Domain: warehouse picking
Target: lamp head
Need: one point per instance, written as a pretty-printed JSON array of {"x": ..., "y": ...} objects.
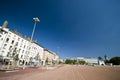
[{"x": 36, "y": 19}]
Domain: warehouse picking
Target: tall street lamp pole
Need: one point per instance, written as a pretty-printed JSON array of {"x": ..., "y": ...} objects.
[{"x": 35, "y": 20}]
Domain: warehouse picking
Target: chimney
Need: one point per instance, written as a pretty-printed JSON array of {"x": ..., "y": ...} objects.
[{"x": 5, "y": 24}]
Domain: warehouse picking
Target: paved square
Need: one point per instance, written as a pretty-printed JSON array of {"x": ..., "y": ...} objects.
[{"x": 70, "y": 72}]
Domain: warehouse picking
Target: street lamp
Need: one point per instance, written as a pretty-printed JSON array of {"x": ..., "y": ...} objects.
[{"x": 35, "y": 20}]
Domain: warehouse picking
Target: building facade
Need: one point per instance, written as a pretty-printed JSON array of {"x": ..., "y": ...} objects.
[
  {"x": 50, "y": 57},
  {"x": 28, "y": 51},
  {"x": 11, "y": 41},
  {"x": 89, "y": 60}
]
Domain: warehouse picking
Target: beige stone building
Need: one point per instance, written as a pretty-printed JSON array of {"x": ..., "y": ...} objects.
[{"x": 50, "y": 57}]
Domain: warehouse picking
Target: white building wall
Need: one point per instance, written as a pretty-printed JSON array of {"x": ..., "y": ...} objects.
[
  {"x": 40, "y": 51},
  {"x": 3, "y": 44},
  {"x": 101, "y": 62},
  {"x": 24, "y": 47},
  {"x": 91, "y": 60}
]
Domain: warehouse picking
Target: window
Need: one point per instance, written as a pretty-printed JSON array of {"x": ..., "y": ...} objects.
[
  {"x": 10, "y": 47},
  {"x": 1, "y": 39},
  {"x": 12, "y": 41},
  {"x": 22, "y": 40},
  {"x": 21, "y": 56},
  {"x": 3, "y": 51},
  {"x": 4, "y": 46},
  {"x": 14, "y": 35},
  {"x": 7, "y": 39},
  {"x": 9, "y": 35},
  {"x": 8, "y": 54},
  {"x": 23, "y": 51},
  {"x": 24, "y": 46},
  {"x": 21, "y": 45},
  {"x": 29, "y": 48},
  {"x": 16, "y": 43},
  {"x": 15, "y": 49},
  {"x": 19, "y": 50},
  {"x": 18, "y": 39}
]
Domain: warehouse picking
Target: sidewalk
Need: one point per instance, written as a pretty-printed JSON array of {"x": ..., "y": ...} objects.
[
  {"x": 28, "y": 70},
  {"x": 21, "y": 71}
]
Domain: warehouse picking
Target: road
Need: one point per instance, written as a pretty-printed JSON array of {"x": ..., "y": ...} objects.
[{"x": 71, "y": 72}]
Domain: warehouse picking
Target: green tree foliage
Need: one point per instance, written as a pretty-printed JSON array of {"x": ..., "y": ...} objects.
[
  {"x": 37, "y": 57},
  {"x": 81, "y": 62},
  {"x": 70, "y": 61},
  {"x": 60, "y": 62},
  {"x": 74, "y": 61},
  {"x": 16, "y": 58},
  {"x": 115, "y": 60},
  {"x": 46, "y": 60},
  {"x": 100, "y": 58},
  {"x": 15, "y": 55},
  {"x": 106, "y": 61}
]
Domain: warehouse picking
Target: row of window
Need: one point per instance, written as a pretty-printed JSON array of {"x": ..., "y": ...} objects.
[
  {"x": 16, "y": 44},
  {"x": 7, "y": 40},
  {"x": 5, "y": 45},
  {"x": 11, "y": 47},
  {"x": 8, "y": 54},
  {"x": 1, "y": 37},
  {"x": 24, "y": 46},
  {"x": 18, "y": 39}
]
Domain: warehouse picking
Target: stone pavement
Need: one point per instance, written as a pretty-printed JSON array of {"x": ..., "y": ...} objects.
[
  {"x": 21, "y": 71},
  {"x": 70, "y": 72}
]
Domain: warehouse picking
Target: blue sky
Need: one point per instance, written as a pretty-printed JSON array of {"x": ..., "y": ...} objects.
[{"x": 88, "y": 28}]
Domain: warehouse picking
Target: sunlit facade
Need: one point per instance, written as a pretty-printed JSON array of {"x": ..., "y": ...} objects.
[
  {"x": 50, "y": 57},
  {"x": 12, "y": 40},
  {"x": 27, "y": 49}
]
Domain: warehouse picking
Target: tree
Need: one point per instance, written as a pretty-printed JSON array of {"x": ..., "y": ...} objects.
[
  {"x": 15, "y": 57},
  {"x": 37, "y": 57},
  {"x": 105, "y": 57},
  {"x": 100, "y": 58},
  {"x": 81, "y": 62},
  {"x": 68, "y": 61},
  {"x": 74, "y": 61},
  {"x": 60, "y": 62},
  {"x": 115, "y": 60},
  {"x": 106, "y": 61},
  {"x": 46, "y": 61}
]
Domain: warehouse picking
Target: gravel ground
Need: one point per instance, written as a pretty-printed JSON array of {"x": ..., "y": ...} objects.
[{"x": 70, "y": 72}]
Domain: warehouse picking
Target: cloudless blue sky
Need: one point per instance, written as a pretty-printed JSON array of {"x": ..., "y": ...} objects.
[{"x": 88, "y": 28}]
